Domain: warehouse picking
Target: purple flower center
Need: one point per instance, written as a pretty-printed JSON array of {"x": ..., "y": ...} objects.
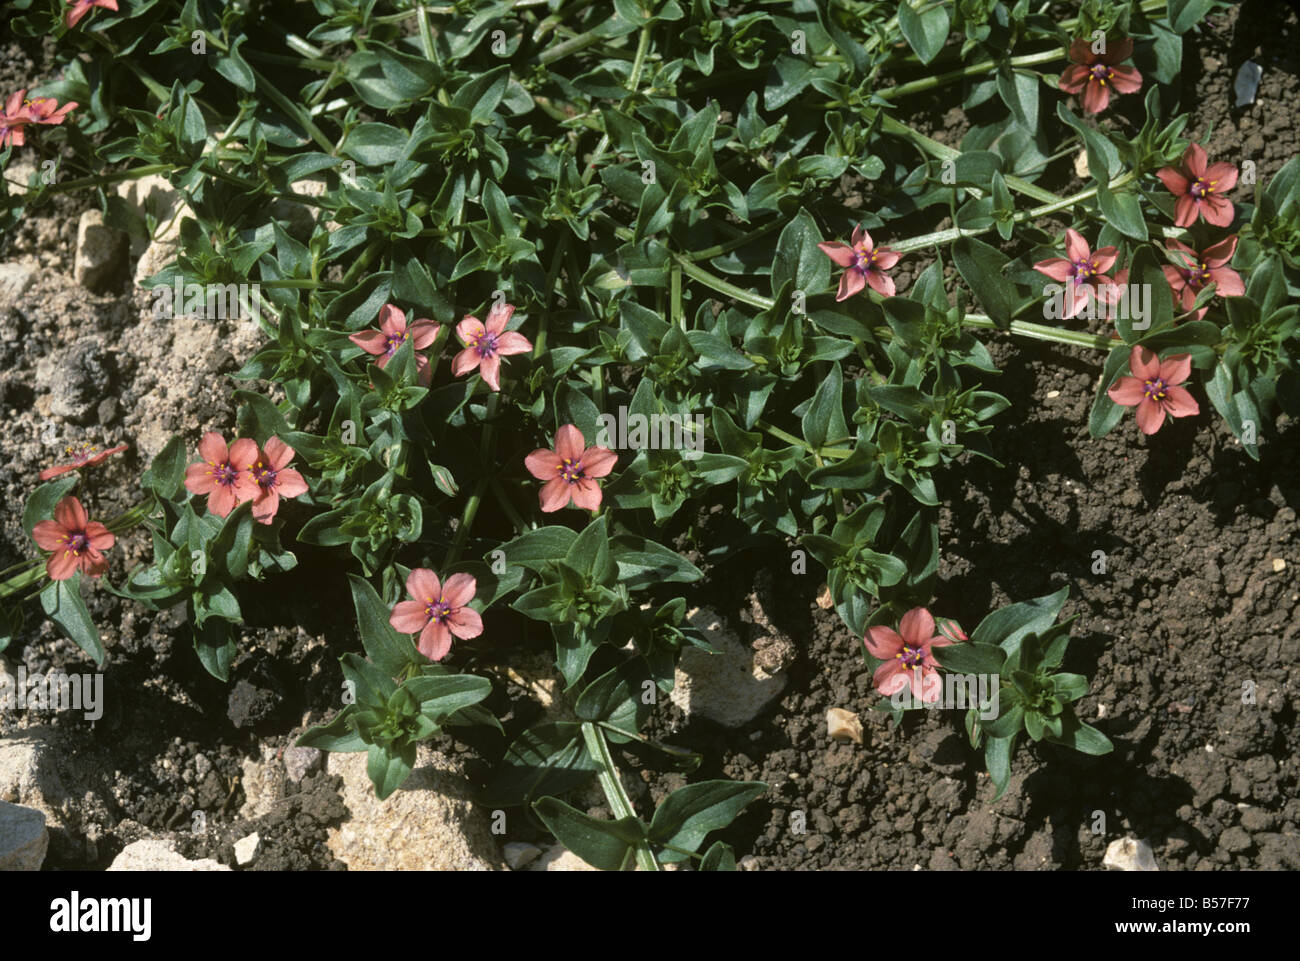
[
  {"x": 912, "y": 656},
  {"x": 437, "y": 611},
  {"x": 1155, "y": 389},
  {"x": 78, "y": 542},
  {"x": 485, "y": 344},
  {"x": 1197, "y": 276},
  {"x": 864, "y": 258},
  {"x": 1199, "y": 188},
  {"x": 570, "y": 470},
  {"x": 264, "y": 476},
  {"x": 225, "y": 474},
  {"x": 1083, "y": 271},
  {"x": 392, "y": 342},
  {"x": 1101, "y": 73}
]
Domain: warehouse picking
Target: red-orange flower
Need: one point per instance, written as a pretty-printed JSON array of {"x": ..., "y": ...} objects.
[
  {"x": 1097, "y": 74},
  {"x": 13, "y": 119},
  {"x": 1198, "y": 270},
  {"x": 82, "y": 7},
  {"x": 77, "y": 542},
  {"x": 437, "y": 612},
  {"x": 223, "y": 473},
  {"x": 1199, "y": 187},
  {"x": 274, "y": 479},
  {"x": 907, "y": 654},
  {"x": 1154, "y": 389},
  {"x": 570, "y": 470},
  {"x": 83, "y": 456},
  {"x": 393, "y": 332}
]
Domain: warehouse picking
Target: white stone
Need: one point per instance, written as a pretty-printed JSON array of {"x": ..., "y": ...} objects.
[
  {"x": 559, "y": 858},
  {"x": 843, "y": 725},
  {"x": 155, "y": 855},
  {"x": 246, "y": 849},
  {"x": 519, "y": 854},
  {"x": 15, "y": 277},
  {"x": 23, "y": 838},
  {"x": 726, "y": 688},
  {"x": 430, "y": 823},
  {"x": 101, "y": 252},
  {"x": 1129, "y": 854}
]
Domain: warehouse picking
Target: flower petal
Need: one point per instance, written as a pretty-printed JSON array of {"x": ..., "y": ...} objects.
[
  {"x": 881, "y": 283},
  {"x": 1096, "y": 98},
  {"x": 586, "y": 494},
  {"x": 1194, "y": 161},
  {"x": 554, "y": 494},
  {"x": 212, "y": 448},
  {"x": 1176, "y": 369},
  {"x": 465, "y": 361},
  {"x": 1179, "y": 402},
  {"x": 598, "y": 461},
  {"x": 543, "y": 463},
  {"x": 1126, "y": 80},
  {"x": 851, "y": 282},
  {"x": 1076, "y": 248},
  {"x": 435, "y": 641},
  {"x": 841, "y": 254},
  {"x": 465, "y": 623},
  {"x": 1222, "y": 176},
  {"x": 1056, "y": 268},
  {"x": 48, "y": 535},
  {"x": 1150, "y": 416},
  {"x": 470, "y": 329},
  {"x": 71, "y": 515},
  {"x": 423, "y": 585},
  {"x": 917, "y": 626},
  {"x": 569, "y": 443},
  {"x": 1220, "y": 253},
  {"x": 243, "y": 453},
  {"x": 1185, "y": 211},
  {"x": 408, "y": 617},
  {"x": 371, "y": 341},
  {"x": 1228, "y": 282},
  {"x": 1127, "y": 392},
  {"x": 882, "y": 642},
  {"x": 1174, "y": 181},
  {"x": 499, "y": 316},
  {"x": 289, "y": 483},
  {"x": 459, "y": 589},
  {"x": 511, "y": 343}
]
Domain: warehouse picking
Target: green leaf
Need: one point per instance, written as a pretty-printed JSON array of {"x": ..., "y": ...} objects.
[
  {"x": 1019, "y": 91},
  {"x": 1084, "y": 738},
  {"x": 440, "y": 696},
  {"x": 643, "y": 563},
  {"x": 390, "y": 651},
  {"x": 981, "y": 267},
  {"x": 1105, "y": 413},
  {"x": 997, "y": 757},
  {"x": 62, "y": 602},
  {"x": 43, "y": 500},
  {"x": 688, "y": 814},
  {"x": 606, "y": 845},
  {"x": 971, "y": 658},
  {"x": 550, "y": 758},
  {"x": 215, "y": 645},
  {"x": 616, "y": 697},
  {"x": 336, "y": 735},
  {"x": 925, "y": 32},
  {"x": 1008, "y": 625},
  {"x": 798, "y": 259},
  {"x": 1123, "y": 211},
  {"x": 167, "y": 470},
  {"x": 388, "y": 771},
  {"x": 719, "y": 857},
  {"x": 825, "y": 415}
]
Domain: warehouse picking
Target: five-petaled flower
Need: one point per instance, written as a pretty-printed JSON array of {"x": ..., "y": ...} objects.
[
  {"x": 1082, "y": 271},
  {"x": 82, "y": 7},
  {"x": 84, "y": 456},
  {"x": 393, "y": 332},
  {"x": 274, "y": 479},
  {"x": 1197, "y": 271},
  {"x": 12, "y": 121},
  {"x": 486, "y": 345},
  {"x": 224, "y": 473},
  {"x": 907, "y": 655},
  {"x": 437, "y": 612},
  {"x": 1097, "y": 74},
  {"x": 569, "y": 470},
  {"x": 1155, "y": 388},
  {"x": 863, "y": 263},
  {"x": 1199, "y": 187},
  {"x": 47, "y": 110},
  {"x": 76, "y": 541}
]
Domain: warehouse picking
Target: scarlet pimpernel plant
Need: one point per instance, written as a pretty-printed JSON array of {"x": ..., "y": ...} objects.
[{"x": 642, "y": 202}]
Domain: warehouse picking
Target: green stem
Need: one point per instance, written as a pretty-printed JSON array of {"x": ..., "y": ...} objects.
[
  {"x": 974, "y": 70},
  {"x": 620, "y": 804},
  {"x": 642, "y": 46}
]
